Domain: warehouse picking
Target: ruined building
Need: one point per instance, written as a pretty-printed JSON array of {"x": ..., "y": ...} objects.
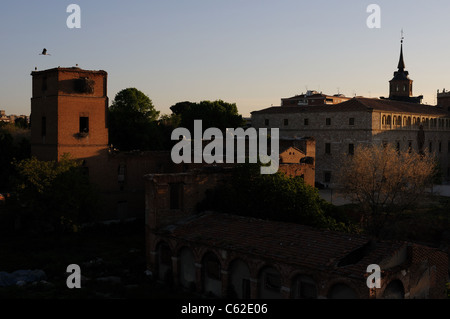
[{"x": 229, "y": 256}]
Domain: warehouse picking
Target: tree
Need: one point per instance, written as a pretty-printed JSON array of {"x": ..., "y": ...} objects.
[
  {"x": 14, "y": 144},
  {"x": 383, "y": 180},
  {"x": 132, "y": 121},
  {"x": 218, "y": 114},
  {"x": 54, "y": 194},
  {"x": 275, "y": 197}
]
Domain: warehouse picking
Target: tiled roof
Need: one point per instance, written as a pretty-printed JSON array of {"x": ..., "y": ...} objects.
[
  {"x": 360, "y": 104},
  {"x": 282, "y": 242}
]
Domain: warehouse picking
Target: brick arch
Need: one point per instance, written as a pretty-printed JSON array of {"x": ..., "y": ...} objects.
[
  {"x": 263, "y": 289},
  {"x": 386, "y": 283},
  {"x": 238, "y": 284},
  {"x": 160, "y": 241},
  {"x": 195, "y": 250},
  {"x": 341, "y": 281},
  {"x": 313, "y": 293},
  {"x": 263, "y": 265},
  {"x": 298, "y": 272},
  {"x": 211, "y": 273},
  {"x": 163, "y": 264},
  {"x": 208, "y": 250}
]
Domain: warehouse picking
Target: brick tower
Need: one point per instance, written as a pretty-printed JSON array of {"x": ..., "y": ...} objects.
[{"x": 68, "y": 113}]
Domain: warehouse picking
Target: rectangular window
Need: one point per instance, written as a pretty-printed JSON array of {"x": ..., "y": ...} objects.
[
  {"x": 121, "y": 172},
  {"x": 351, "y": 121},
  {"x": 327, "y": 148},
  {"x": 306, "y": 122},
  {"x": 44, "y": 126},
  {"x": 351, "y": 149},
  {"x": 409, "y": 146},
  {"x": 327, "y": 177},
  {"x": 176, "y": 193},
  {"x": 44, "y": 83},
  {"x": 448, "y": 147},
  {"x": 84, "y": 124},
  {"x": 398, "y": 146},
  {"x": 431, "y": 147},
  {"x": 440, "y": 147},
  {"x": 286, "y": 122},
  {"x": 266, "y": 122},
  {"x": 328, "y": 121}
]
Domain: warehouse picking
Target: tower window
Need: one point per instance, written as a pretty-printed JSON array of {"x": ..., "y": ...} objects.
[
  {"x": 328, "y": 121},
  {"x": 351, "y": 121},
  {"x": 44, "y": 83},
  {"x": 327, "y": 177},
  {"x": 351, "y": 149},
  {"x": 286, "y": 122},
  {"x": 306, "y": 122},
  {"x": 84, "y": 124},
  {"x": 44, "y": 126},
  {"x": 327, "y": 148},
  {"x": 266, "y": 122}
]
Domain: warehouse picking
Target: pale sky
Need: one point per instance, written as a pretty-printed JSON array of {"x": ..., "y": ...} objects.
[{"x": 248, "y": 52}]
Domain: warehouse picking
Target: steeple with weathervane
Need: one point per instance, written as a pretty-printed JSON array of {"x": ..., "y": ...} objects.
[{"x": 400, "y": 87}]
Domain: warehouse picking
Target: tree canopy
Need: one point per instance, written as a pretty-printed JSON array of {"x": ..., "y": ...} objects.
[
  {"x": 217, "y": 113},
  {"x": 53, "y": 195},
  {"x": 274, "y": 197},
  {"x": 14, "y": 144},
  {"x": 132, "y": 121},
  {"x": 383, "y": 180}
]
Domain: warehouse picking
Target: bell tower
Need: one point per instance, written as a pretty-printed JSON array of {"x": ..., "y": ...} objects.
[
  {"x": 68, "y": 113},
  {"x": 401, "y": 86}
]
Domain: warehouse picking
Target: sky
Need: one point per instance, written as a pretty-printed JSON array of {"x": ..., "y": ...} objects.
[{"x": 248, "y": 52}]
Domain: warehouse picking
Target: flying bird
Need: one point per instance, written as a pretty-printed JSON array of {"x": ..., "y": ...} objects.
[{"x": 44, "y": 52}]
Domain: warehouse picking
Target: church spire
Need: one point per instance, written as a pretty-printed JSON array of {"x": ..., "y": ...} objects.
[{"x": 401, "y": 63}]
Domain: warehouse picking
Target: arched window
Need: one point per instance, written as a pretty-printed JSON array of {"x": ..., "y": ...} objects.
[
  {"x": 212, "y": 275},
  {"x": 187, "y": 269},
  {"x": 239, "y": 285},
  {"x": 164, "y": 258},
  {"x": 394, "y": 290},
  {"x": 304, "y": 287},
  {"x": 342, "y": 291},
  {"x": 269, "y": 280},
  {"x": 388, "y": 121},
  {"x": 383, "y": 121}
]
